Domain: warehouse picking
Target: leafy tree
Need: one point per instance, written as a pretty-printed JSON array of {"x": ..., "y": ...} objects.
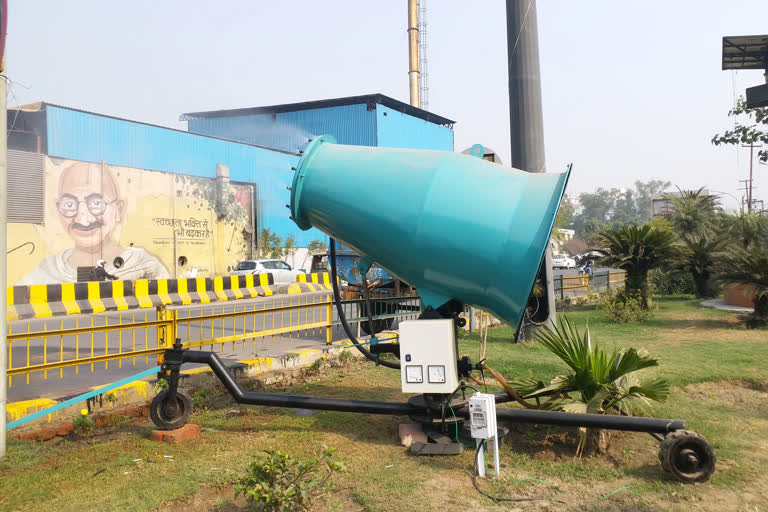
[
  {"x": 273, "y": 246},
  {"x": 565, "y": 213},
  {"x": 637, "y": 250},
  {"x": 644, "y": 194},
  {"x": 755, "y": 131},
  {"x": 612, "y": 207},
  {"x": 269, "y": 244}
]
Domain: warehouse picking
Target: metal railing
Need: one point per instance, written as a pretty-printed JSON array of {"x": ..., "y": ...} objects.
[
  {"x": 579, "y": 285},
  {"x": 52, "y": 345}
]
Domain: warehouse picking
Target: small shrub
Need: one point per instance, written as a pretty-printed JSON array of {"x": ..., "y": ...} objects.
[
  {"x": 110, "y": 397},
  {"x": 278, "y": 482},
  {"x": 625, "y": 308},
  {"x": 346, "y": 356},
  {"x": 316, "y": 366},
  {"x": 83, "y": 424},
  {"x": 160, "y": 385},
  {"x": 671, "y": 282}
]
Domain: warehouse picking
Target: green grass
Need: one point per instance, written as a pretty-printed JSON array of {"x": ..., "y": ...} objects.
[{"x": 696, "y": 346}]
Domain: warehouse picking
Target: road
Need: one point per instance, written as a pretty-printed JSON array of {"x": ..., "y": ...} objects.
[{"x": 73, "y": 380}]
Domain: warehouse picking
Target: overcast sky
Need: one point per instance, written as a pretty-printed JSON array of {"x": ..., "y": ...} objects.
[{"x": 631, "y": 90}]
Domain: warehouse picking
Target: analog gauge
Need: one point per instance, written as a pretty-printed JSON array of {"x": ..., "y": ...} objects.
[
  {"x": 414, "y": 374},
  {"x": 436, "y": 374}
]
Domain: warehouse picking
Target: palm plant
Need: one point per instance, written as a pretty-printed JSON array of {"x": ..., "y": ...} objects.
[
  {"x": 699, "y": 252},
  {"x": 747, "y": 228},
  {"x": 750, "y": 267},
  {"x": 600, "y": 380},
  {"x": 636, "y": 249},
  {"x": 692, "y": 210}
]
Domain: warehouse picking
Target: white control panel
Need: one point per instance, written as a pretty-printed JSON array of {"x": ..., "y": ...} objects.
[
  {"x": 428, "y": 356},
  {"x": 482, "y": 416}
]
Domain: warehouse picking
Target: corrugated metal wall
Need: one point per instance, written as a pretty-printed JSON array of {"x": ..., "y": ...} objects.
[
  {"x": 93, "y": 138},
  {"x": 397, "y": 130},
  {"x": 26, "y": 187},
  {"x": 350, "y": 124}
]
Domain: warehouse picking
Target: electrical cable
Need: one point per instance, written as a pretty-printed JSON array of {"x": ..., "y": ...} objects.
[
  {"x": 502, "y": 498},
  {"x": 538, "y": 498},
  {"x": 343, "y": 317}
]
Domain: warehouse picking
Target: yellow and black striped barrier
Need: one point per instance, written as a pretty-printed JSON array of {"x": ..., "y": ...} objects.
[
  {"x": 46, "y": 300},
  {"x": 316, "y": 281}
]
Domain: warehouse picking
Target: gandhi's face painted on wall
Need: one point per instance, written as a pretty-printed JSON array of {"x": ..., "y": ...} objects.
[{"x": 88, "y": 204}]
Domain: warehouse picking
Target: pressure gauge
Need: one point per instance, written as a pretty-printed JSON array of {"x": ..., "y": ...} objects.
[
  {"x": 414, "y": 374},
  {"x": 436, "y": 374}
]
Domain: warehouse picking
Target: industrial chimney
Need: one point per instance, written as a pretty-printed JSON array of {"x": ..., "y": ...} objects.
[{"x": 413, "y": 51}]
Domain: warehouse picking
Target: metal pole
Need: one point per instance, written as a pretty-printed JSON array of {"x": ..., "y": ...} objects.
[
  {"x": 751, "y": 158},
  {"x": 413, "y": 51},
  {"x": 3, "y": 262},
  {"x": 526, "y": 123}
]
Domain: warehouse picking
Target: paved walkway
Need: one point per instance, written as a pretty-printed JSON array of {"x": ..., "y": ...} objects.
[{"x": 720, "y": 304}]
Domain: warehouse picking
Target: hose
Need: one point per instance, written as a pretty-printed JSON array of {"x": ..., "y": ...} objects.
[{"x": 343, "y": 317}]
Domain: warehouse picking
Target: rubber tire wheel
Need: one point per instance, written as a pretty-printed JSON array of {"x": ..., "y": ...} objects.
[
  {"x": 162, "y": 419},
  {"x": 381, "y": 324},
  {"x": 671, "y": 452}
]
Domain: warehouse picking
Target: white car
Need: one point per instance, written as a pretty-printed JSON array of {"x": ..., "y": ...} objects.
[
  {"x": 563, "y": 261},
  {"x": 280, "y": 270}
]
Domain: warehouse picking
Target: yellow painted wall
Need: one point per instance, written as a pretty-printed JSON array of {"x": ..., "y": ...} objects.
[{"x": 165, "y": 214}]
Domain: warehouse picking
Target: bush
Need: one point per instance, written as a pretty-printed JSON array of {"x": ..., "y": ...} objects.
[
  {"x": 625, "y": 308},
  {"x": 279, "y": 482},
  {"x": 671, "y": 282}
]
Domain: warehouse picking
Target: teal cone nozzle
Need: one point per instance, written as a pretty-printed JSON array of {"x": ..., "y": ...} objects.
[{"x": 452, "y": 225}]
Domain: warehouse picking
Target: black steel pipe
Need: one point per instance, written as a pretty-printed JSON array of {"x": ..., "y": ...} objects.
[
  {"x": 569, "y": 419},
  {"x": 295, "y": 401}
]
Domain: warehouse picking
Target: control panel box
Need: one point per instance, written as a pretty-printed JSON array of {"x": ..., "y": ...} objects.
[
  {"x": 428, "y": 359},
  {"x": 482, "y": 416}
]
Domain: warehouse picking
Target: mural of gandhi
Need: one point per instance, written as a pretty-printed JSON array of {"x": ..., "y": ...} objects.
[{"x": 89, "y": 209}]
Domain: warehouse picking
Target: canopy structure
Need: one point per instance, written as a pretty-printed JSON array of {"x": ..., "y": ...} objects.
[{"x": 748, "y": 52}]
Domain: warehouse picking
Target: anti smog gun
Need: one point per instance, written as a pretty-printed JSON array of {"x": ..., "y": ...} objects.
[{"x": 465, "y": 232}]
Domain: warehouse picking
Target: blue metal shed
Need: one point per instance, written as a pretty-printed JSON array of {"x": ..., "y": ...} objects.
[{"x": 370, "y": 120}]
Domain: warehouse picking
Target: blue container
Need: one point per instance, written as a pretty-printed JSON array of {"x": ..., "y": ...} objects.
[{"x": 454, "y": 226}]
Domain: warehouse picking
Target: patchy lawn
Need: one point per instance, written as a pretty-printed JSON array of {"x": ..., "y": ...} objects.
[{"x": 719, "y": 373}]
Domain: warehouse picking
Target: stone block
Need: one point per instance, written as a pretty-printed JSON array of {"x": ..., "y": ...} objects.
[
  {"x": 188, "y": 431},
  {"x": 65, "y": 429}
]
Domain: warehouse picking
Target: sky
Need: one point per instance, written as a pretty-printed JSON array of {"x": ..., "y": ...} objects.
[{"x": 631, "y": 90}]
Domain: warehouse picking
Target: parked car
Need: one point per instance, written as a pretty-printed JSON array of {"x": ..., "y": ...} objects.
[
  {"x": 563, "y": 261},
  {"x": 280, "y": 270}
]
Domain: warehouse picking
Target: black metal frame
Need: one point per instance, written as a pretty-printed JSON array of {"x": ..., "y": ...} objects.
[{"x": 177, "y": 356}]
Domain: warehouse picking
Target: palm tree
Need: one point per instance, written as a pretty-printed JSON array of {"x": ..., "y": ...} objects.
[
  {"x": 635, "y": 249},
  {"x": 599, "y": 381},
  {"x": 693, "y": 210},
  {"x": 750, "y": 267},
  {"x": 699, "y": 252},
  {"x": 746, "y": 228}
]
